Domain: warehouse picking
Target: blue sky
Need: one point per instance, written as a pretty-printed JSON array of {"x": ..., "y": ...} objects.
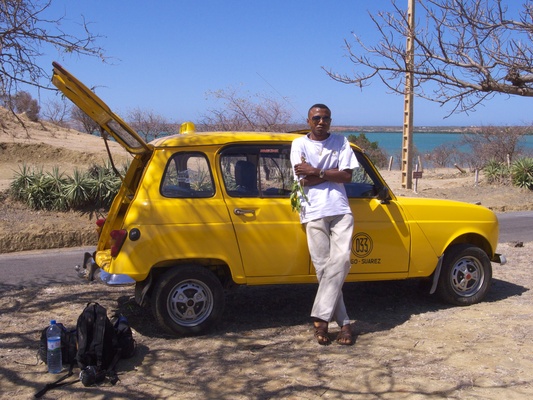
[{"x": 166, "y": 56}]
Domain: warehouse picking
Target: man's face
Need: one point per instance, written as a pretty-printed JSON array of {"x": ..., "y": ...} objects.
[{"x": 319, "y": 120}]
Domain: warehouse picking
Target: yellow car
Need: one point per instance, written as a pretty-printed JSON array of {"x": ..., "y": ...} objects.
[{"x": 198, "y": 213}]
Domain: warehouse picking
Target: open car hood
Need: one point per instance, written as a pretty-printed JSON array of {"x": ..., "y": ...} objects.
[{"x": 95, "y": 108}]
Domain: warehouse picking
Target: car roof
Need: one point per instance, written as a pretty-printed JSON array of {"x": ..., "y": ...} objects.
[
  {"x": 225, "y": 138},
  {"x": 221, "y": 138}
]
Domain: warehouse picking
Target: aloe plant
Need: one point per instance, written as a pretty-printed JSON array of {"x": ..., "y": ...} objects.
[
  {"x": 56, "y": 181},
  {"x": 104, "y": 187},
  {"x": 496, "y": 172},
  {"x": 24, "y": 178},
  {"x": 522, "y": 173},
  {"x": 57, "y": 191},
  {"x": 78, "y": 189}
]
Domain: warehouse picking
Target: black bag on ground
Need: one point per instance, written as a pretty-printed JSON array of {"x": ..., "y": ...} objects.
[
  {"x": 101, "y": 344},
  {"x": 125, "y": 340},
  {"x": 97, "y": 340}
]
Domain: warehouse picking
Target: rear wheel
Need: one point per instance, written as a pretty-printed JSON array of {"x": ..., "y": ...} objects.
[
  {"x": 465, "y": 276},
  {"x": 188, "y": 300}
]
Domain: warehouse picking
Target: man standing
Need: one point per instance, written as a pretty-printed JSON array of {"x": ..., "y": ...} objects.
[{"x": 322, "y": 162}]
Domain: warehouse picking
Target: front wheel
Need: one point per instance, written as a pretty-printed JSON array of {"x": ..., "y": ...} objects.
[
  {"x": 188, "y": 300},
  {"x": 465, "y": 276}
]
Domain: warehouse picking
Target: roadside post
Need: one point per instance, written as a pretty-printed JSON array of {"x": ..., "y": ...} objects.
[{"x": 416, "y": 176}]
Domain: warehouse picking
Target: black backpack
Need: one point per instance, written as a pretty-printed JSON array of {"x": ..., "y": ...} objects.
[
  {"x": 97, "y": 340},
  {"x": 100, "y": 344}
]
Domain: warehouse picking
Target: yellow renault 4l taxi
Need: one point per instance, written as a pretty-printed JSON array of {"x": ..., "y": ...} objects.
[{"x": 200, "y": 212}]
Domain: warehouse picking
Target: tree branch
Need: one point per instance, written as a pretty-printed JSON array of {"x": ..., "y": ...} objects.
[{"x": 465, "y": 52}]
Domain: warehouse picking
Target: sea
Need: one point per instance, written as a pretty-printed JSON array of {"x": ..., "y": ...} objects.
[{"x": 426, "y": 142}]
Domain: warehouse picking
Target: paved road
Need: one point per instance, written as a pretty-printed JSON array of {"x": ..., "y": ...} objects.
[
  {"x": 40, "y": 267},
  {"x": 46, "y": 267},
  {"x": 516, "y": 226}
]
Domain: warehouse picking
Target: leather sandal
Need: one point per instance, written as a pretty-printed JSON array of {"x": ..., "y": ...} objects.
[
  {"x": 321, "y": 333},
  {"x": 345, "y": 336}
]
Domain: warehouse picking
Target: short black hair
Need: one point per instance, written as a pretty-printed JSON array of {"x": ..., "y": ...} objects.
[{"x": 319, "y": 105}]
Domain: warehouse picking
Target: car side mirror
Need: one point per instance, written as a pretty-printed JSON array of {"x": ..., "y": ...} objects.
[{"x": 383, "y": 195}]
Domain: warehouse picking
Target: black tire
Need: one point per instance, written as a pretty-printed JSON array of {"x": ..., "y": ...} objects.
[
  {"x": 465, "y": 276},
  {"x": 188, "y": 300}
]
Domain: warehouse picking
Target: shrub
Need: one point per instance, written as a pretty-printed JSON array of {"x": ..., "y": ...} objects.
[
  {"x": 23, "y": 179},
  {"x": 371, "y": 149},
  {"x": 104, "y": 185},
  {"x": 522, "y": 173},
  {"x": 38, "y": 194},
  {"x": 24, "y": 103},
  {"x": 94, "y": 188},
  {"x": 497, "y": 172},
  {"x": 55, "y": 183},
  {"x": 443, "y": 156},
  {"x": 78, "y": 190},
  {"x": 494, "y": 143}
]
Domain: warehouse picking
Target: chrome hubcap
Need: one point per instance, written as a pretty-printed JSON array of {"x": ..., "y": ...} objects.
[
  {"x": 190, "y": 303},
  {"x": 467, "y": 276}
]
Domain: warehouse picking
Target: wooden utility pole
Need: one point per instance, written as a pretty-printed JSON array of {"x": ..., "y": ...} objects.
[{"x": 407, "y": 141}]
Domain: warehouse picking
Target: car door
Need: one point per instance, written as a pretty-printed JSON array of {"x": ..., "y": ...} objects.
[
  {"x": 381, "y": 238},
  {"x": 257, "y": 180}
]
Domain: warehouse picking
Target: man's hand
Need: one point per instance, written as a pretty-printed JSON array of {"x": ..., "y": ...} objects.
[
  {"x": 311, "y": 175},
  {"x": 305, "y": 169}
]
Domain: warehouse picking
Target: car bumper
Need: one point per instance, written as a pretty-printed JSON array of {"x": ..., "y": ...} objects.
[
  {"x": 90, "y": 271},
  {"x": 499, "y": 258}
]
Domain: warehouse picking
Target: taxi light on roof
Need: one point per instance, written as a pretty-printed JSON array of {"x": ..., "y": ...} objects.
[{"x": 187, "y": 127}]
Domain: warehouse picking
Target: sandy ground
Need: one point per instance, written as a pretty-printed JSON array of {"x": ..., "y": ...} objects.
[{"x": 408, "y": 345}]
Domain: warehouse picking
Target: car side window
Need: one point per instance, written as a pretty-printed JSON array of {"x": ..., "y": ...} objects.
[
  {"x": 364, "y": 182},
  {"x": 187, "y": 175},
  {"x": 257, "y": 171}
]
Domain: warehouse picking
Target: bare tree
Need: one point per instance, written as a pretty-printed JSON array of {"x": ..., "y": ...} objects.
[
  {"x": 24, "y": 32},
  {"x": 245, "y": 113},
  {"x": 466, "y": 51},
  {"x": 56, "y": 111},
  {"x": 493, "y": 143},
  {"x": 22, "y": 102},
  {"x": 148, "y": 124},
  {"x": 83, "y": 121},
  {"x": 444, "y": 155}
]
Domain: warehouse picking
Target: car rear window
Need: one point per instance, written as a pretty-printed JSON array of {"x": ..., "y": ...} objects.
[{"x": 187, "y": 175}]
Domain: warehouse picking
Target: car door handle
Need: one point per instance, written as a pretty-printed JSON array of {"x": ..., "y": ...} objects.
[{"x": 241, "y": 211}]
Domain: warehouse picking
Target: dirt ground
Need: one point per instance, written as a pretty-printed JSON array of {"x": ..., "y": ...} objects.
[{"x": 408, "y": 345}]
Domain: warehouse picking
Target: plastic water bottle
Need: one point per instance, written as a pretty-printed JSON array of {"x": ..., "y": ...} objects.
[{"x": 53, "y": 354}]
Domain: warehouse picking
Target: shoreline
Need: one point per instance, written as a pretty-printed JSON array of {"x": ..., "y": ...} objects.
[{"x": 420, "y": 129}]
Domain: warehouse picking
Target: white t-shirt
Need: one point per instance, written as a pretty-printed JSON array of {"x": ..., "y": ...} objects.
[{"x": 327, "y": 198}]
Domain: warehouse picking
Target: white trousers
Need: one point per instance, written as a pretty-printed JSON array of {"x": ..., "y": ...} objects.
[{"x": 329, "y": 240}]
